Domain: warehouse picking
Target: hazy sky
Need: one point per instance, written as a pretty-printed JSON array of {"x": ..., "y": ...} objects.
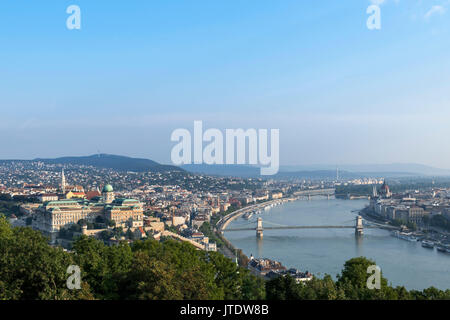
[{"x": 137, "y": 70}]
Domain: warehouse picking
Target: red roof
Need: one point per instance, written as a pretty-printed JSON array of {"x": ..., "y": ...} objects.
[{"x": 92, "y": 194}]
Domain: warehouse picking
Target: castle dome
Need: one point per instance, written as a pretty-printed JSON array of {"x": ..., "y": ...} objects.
[{"x": 108, "y": 188}]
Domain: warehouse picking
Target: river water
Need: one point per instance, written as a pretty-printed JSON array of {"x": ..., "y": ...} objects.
[{"x": 323, "y": 251}]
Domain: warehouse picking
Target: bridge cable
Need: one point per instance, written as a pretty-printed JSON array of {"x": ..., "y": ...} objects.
[{"x": 275, "y": 224}]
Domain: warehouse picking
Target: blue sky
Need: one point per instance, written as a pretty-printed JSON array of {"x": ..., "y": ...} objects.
[{"x": 137, "y": 70}]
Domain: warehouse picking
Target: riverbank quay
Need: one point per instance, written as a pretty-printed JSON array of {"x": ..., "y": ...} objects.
[
  {"x": 430, "y": 233},
  {"x": 225, "y": 221},
  {"x": 370, "y": 216},
  {"x": 229, "y": 250}
]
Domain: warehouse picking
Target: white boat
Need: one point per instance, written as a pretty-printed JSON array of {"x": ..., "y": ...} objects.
[
  {"x": 408, "y": 236},
  {"x": 428, "y": 244}
]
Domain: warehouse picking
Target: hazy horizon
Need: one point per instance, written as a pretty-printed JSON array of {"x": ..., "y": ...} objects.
[{"x": 283, "y": 167}]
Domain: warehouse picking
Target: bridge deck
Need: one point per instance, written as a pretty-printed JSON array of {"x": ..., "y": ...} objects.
[{"x": 300, "y": 227}]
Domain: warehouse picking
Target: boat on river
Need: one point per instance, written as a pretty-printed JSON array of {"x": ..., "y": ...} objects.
[
  {"x": 428, "y": 244},
  {"x": 408, "y": 236},
  {"x": 248, "y": 215},
  {"x": 443, "y": 248}
]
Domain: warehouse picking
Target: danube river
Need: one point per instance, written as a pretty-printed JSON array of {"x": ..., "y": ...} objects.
[{"x": 322, "y": 251}]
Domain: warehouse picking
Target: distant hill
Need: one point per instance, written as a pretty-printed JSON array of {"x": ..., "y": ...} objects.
[
  {"x": 331, "y": 174},
  {"x": 109, "y": 161},
  {"x": 248, "y": 171},
  {"x": 235, "y": 170},
  {"x": 402, "y": 169},
  {"x": 320, "y": 172}
]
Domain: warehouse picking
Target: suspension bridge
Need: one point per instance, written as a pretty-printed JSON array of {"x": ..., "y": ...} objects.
[
  {"x": 315, "y": 192},
  {"x": 358, "y": 225}
]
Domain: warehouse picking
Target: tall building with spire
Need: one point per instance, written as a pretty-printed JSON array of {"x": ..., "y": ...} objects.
[{"x": 385, "y": 192}]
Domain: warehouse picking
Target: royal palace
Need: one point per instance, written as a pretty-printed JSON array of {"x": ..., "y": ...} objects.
[{"x": 53, "y": 215}]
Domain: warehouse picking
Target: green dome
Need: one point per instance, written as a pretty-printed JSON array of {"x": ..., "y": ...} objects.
[{"x": 107, "y": 188}]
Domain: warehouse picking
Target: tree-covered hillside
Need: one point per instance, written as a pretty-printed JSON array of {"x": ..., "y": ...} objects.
[{"x": 31, "y": 269}]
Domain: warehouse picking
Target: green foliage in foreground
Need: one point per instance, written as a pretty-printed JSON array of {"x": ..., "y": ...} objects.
[
  {"x": 31, "y": 269},
  {"x": 351, "y": 285}
]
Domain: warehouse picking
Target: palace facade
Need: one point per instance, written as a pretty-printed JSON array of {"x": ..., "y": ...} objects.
[{"x": 51, "y": 216}]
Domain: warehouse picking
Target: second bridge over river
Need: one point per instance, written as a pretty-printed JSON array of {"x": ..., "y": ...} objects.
[{"x": 358, "y": 226}]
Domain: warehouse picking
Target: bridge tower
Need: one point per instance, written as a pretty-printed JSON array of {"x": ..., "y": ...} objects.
[
  {"x": 359, "y": 229},
  {"x": 259, "y": 229}
]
